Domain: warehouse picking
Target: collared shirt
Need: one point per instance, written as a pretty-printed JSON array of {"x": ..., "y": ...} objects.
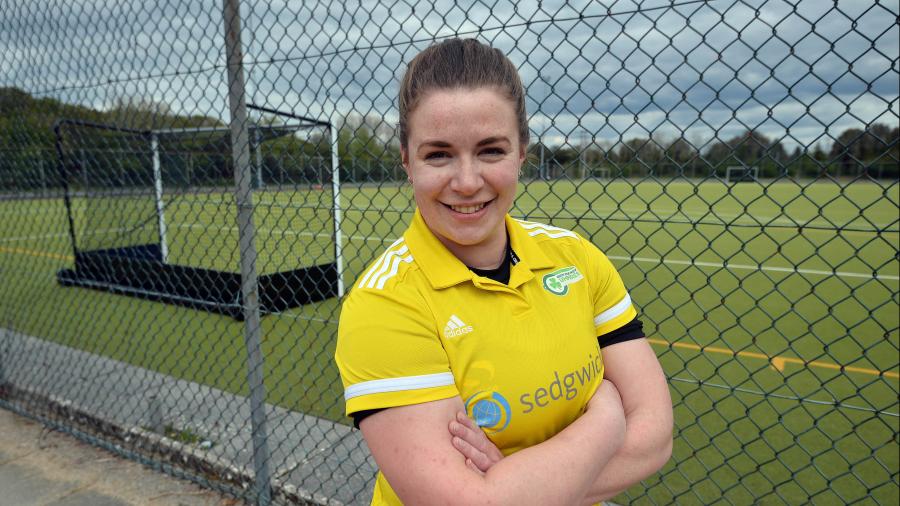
[{"x": 419, "y": 326}]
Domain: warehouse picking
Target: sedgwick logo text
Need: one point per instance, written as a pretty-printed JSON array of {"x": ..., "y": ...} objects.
[{"x": 566, "y": 386}]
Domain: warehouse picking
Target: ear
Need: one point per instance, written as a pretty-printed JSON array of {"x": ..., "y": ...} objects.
[
  {"x": 523, "y": 154},
  {"x": 404, "y": 159}
]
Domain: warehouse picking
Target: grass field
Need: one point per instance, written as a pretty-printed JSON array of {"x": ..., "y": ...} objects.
[{"x": 773, "y": 308}]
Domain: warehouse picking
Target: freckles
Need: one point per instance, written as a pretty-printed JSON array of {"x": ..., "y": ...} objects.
[
  {"x": 505, "y": 176},
  {"x": 428, "y": 186}
]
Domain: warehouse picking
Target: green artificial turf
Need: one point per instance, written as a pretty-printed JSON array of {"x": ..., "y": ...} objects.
[{"x": 754, "y": 296}]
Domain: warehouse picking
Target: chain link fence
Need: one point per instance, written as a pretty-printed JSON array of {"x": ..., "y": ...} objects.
[{"x": 186, "y": 189}]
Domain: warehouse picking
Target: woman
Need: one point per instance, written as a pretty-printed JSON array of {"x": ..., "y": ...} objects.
[{"x": 475, "y": 314}]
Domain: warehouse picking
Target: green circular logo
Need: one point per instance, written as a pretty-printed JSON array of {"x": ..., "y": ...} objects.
[
  {"x": 558, "y": 281},
  {"x": 554, "y": 285}
]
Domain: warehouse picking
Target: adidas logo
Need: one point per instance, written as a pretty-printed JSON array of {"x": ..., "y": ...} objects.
[{"x": 455, "y": 327}]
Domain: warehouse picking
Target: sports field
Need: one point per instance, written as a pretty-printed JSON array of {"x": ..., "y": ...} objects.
[{"x": 773, "y": 307}]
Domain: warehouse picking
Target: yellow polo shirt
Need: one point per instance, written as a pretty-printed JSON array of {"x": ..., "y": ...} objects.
[{"x": 419, "y": 326}]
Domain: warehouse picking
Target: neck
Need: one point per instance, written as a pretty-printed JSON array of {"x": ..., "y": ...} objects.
[{"x": 485, "y": 256}]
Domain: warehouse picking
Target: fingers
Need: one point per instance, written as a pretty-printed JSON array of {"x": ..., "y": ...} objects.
[
  {"x": 468, "y": 422},
  {"x": 463, "y": 446},
  {"x": 473, "y": 455},
  {"x": 466, "y": 429},
  {"x": 471, "y": 465},
  {"x": 472, "y": 433},
  {"x": 473, "y": 443},
  {"x": 465, "y": 440},
  {"x": 479, "y": 439}
]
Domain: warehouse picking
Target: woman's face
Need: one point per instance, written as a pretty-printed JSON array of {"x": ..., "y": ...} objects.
[{"x": 463, "y": 157}]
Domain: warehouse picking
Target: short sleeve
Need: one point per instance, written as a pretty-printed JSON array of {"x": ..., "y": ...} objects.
[
  {"x": 388, "y": 351},
  {"x": 613, "y": 307}
]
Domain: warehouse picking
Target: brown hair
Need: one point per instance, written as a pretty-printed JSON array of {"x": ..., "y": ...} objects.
[{"x": 460, "y": 63}]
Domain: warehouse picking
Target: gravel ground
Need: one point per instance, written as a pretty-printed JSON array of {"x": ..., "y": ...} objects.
[{"x": 40, "y": 467}]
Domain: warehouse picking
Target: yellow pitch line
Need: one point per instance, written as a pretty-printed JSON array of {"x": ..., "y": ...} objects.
[
  {"x": 23, "y": 251},
  {"x": 777, "y": 362}
]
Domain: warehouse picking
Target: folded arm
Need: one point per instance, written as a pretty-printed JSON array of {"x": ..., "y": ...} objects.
[
  {"x": 414, "y": 450},
  {"x": 647, "y": 444},
  {"x": 634, "y": 368}
]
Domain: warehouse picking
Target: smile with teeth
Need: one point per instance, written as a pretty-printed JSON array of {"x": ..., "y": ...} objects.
[{"x": 469, "y": 209}]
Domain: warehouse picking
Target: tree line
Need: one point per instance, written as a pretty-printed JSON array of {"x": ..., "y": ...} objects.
[
  {"x": 870, "y": 152},
  {"x": 369, "y": 151}
]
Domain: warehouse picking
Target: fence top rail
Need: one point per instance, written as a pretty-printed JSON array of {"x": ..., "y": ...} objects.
[{"x": 58, "y": 124}]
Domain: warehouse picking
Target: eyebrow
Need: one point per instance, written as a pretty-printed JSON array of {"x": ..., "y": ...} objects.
[
  {"x": 482, "y": 142},
  {"x": 434, "y": 144},
  {"x": 491, "y": 140}
]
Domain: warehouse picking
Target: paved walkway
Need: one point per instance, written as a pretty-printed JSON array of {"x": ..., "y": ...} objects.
[
  {"x": 310, "y": 458},
  {"x": 39, "y": 467}
]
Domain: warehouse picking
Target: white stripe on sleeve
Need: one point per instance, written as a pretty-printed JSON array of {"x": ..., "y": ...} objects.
[
  {"x": 385, "y": 265},
  {"x": 441, "y": 379},
  {"x": 552, "y": 235},
  {"x": 377, "y": 265},
  {"x": 613, "y": 312},
  {"x": 395, "y": 265}
]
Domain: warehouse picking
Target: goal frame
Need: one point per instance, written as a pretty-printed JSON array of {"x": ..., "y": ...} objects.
[
  {"x": 144, "y": 271},
  {"x": 745, "y": 174}
]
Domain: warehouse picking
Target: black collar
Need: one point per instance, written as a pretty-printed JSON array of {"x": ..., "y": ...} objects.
[{"x": 500, "y": 274}]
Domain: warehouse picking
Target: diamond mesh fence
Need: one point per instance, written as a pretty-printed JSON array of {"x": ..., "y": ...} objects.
[{"x": 188, "y": 189}]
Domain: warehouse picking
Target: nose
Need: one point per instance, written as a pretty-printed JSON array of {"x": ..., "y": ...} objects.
[{"x": 467, "y": 179}]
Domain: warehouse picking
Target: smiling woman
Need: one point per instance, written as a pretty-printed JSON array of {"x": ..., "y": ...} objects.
[
  {"x": 524, "y": 327},
  {"x": 464, "y": 173}
]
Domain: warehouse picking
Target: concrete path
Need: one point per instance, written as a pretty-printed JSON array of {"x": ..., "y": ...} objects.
[
  {"x": 39, "y": 467},
  {"x": 311, "y": 459}
]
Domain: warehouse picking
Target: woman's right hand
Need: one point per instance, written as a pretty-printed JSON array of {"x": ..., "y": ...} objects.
[{"x": 481, "y": 454}]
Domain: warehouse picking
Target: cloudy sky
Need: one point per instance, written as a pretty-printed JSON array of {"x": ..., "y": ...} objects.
[{"x": 614, "y": 70}]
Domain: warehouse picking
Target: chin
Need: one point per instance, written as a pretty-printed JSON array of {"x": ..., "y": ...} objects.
[
  {"x": 466, "y": 240},
  {"x": 455, "y": 236},
  {"x": 470, "y": 238}
]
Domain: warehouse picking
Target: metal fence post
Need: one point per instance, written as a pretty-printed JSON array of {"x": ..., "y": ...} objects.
[
  {"x": 246, "y": 239},
  {"x": 155, "y": 414},
  {"x": 3, "y": 333}
]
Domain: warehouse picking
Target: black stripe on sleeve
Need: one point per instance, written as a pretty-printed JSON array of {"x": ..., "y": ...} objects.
[
  {"x": 361, "y": 415},
  {"x": 631, "y": 330}
]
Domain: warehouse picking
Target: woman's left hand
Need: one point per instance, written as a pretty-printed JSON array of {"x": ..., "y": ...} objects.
[{"x": 473, "y": 443}]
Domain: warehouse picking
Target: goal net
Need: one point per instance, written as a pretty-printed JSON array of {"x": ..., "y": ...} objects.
[
  {"x": 152, "y": 214},
  {"x": 171, "y": 192},
  {"x": 742, "y": 174}
]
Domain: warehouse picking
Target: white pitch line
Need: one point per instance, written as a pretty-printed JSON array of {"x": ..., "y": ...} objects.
[
  {"x": 61, "y": 234},
  {"x": 294, "y": 233},
  {"x": 724, "y": 218},
  {"x": 30, "y": 212},
  {"x": 715, "y": 265},
  {"x": 744, "y": 218},
  {"x": 32, "y": 237},
  {"x": 791, "y": 270},
  {"x": 665, "y": 261}
]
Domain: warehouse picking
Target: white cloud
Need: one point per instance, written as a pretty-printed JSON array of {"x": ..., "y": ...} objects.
[{"x": 707, "y": 68}]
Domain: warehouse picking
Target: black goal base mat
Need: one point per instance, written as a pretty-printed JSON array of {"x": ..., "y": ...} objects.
[{"x": 139, "y": 271}]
